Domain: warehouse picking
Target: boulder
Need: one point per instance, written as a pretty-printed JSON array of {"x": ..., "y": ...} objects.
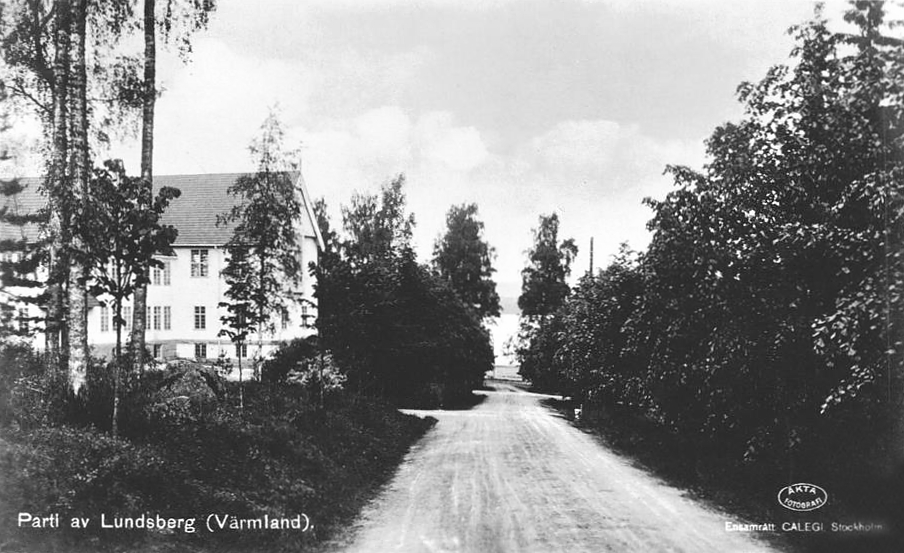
[{"x": 187, "y": 389}]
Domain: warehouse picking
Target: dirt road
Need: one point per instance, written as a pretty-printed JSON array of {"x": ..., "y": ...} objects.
[{"x": 509, "y": 475}]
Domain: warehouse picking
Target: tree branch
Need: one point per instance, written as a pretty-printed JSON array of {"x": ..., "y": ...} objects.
[{"x": 20, "y": 90}]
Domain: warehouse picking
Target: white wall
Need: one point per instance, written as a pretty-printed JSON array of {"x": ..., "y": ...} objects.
[{"x": 185, "y": 292}]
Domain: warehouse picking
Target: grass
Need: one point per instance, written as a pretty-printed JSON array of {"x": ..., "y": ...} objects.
[{"x": 281, "y": 457}]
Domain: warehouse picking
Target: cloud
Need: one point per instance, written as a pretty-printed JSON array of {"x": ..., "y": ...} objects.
[
  {"x": 594, "y": 173},
  {"x": 440, "y": 141},
  {"x": 212, "y": 107}
]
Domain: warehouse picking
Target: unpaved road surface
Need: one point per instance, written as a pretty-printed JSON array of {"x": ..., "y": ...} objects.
[{"x": 510, "y": 475}]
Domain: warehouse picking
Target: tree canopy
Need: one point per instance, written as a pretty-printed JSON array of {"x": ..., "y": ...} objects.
[
  {"x": 397, "y": 329},
  {"x": 764, "y": 319},
  {"x": 543, "y": 287},
  {"x": 463, "y": 257}
]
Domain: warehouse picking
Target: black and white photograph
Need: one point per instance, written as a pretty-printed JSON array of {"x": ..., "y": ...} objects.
[{"x": 451, "y": 276}]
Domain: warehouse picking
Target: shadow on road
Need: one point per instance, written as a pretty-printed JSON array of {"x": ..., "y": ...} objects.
[{"x": 469, "y": 402}]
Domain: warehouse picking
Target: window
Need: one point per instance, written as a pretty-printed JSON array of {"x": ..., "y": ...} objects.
[
  {"x": 156, "y": 317},
  {"x": 127, "y": 315},
  {"x": 201, "y": 351},
  {"x": 305, "y": 316},
  {"x": 158, "y": 351},
  {"x": 285, "y": 319},
  {"x": 104, "y": 318},
  {"x": 7, "y": 315},
  {"x": 167, "y": 317},
  {"x": 10, "y": 257},
  {"x": 147, "y": 318},
  {"x": 199, "y": 263},
  {"x": 161, "y": 275},
  {"x": 23, "y": 321},
  {"x": 241, "y": 351},
  {"x": 200, "y": 317}
]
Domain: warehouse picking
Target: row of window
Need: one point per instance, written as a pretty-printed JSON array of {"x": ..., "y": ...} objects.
[
  {"x": 200, "y": 267},
  {"x": 10, "y": 319},
  {"x": 161, "y": 318},
  {"x": 201, "y": 351},
  {"x": 160, "y": 276}
]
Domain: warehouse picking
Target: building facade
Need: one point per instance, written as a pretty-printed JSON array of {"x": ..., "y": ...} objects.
[{"x": 184, "y": 295}]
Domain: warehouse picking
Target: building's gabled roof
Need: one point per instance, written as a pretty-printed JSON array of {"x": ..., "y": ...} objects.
[
  {"x": 27, "y": 202},
  {"x": 194, "y": 213}
]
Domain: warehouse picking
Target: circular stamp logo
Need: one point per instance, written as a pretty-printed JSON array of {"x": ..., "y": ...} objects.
[{"x": 802, "y": 497}]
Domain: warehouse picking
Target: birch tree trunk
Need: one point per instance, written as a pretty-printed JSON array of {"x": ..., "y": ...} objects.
[
  {"x": 56, "y": 182},
  {"x": 79, "y": 166},
  {"x": 139, "y": 319}
]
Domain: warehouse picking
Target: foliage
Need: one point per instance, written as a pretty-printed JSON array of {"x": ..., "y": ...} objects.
[
  {"x": 119, "y": 235},
  {"x": 543, "y": 293},
  {"x": 121, "y": 232},
  {"x": 396, "y": 329},
  {"x": 543, "y": 288},
  {"x": 288, "y": 357},
  {"x": 319, "y": 375},
  {"x": 763, "y": 321},
  {"x": 377, "y": 226},
  {"x": 464, "y": 258},
  {"x": 263, "y": 252},
  {"x": 18, "y": 362},
  {"x": 280, "y": 457}
]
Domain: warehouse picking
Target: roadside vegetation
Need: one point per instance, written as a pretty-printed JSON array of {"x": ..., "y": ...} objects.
[
  {"x": 402, "y": 330},
  {"x": 186, "y": 449},
  {"x": 757, "y": 341}
]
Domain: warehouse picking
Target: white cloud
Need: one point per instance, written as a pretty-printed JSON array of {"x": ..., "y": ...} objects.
[
  {"x": 593, "y": 172},
  {"x": 440, "y": 141}
]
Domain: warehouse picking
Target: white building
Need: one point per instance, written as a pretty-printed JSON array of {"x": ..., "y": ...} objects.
[{"x": 183, "y": 315}]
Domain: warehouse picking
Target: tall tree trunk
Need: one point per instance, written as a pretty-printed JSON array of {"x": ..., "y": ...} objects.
[
  {"x": 259, "y": 356},
  {"x": 117, "y": 365},
  {"x": 78, "y": 296},
  {"x": 238, "y": 355},
  {"x": 139, "y": 319},
  {"x": 57, "y": 186}
]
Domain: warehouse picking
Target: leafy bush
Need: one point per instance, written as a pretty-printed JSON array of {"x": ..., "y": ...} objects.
[
  {"x": 321, "y": 374},
  {"x": 19, "y": 363},
  {"x": 397, "y": 329},
  {"x": 291, "y": 356},
  {"x": 281, "y": 455}
]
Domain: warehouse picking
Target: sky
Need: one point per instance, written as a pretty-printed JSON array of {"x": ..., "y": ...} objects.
[{"x": 525, "y": 107}]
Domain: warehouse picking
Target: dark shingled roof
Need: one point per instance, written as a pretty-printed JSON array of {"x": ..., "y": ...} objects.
[
  {"x": 26, "y": 202},
  {"x": 194, "y": 213}
]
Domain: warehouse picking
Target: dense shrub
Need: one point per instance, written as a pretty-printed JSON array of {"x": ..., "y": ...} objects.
[
  {"x": 395, "y": 328},
  {"x": 295, "y": 355},
  {"x": 282, "y": 455},
  {"x": 19, "y": 363}
]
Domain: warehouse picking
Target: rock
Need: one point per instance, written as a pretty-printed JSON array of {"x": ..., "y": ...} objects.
[{"x": 187, "y": 389}]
